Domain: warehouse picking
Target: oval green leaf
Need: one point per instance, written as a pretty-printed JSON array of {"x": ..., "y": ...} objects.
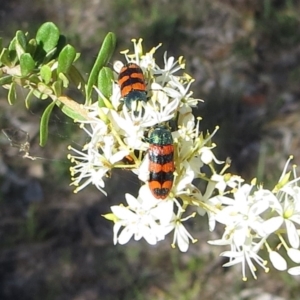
[
  {"x": 46, "y": 74},
  {"x": 21, "y": 39},
  {"x": 19, "y": 51},
  {"x": 105, "y": 80},
  {"x": 47, "y": 36},
  {"x": 21, "y": 43},
  {"x": 27, "y": 64},
  {"x": 104, "y": 55},
  {"x": 44, "y": 124},
  {"x": 65, "y": 59}
]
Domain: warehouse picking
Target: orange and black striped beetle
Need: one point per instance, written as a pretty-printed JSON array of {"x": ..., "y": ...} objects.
[
  {"x": 133, "y": 87},
  {"x": 161, "y": 162}
]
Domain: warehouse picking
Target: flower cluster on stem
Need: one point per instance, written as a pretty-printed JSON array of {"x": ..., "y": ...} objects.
[{"x": 252, "y": 217}]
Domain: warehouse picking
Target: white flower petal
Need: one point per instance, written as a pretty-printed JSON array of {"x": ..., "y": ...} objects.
[
  {"x": 296, "y": 218},
  {"x": 294, "y": 255},
  {"x": 164, "y": 211},
  {"x": 126, "y": 235},
  {"x": 118, "y": 156},
  {"x": 277, "y": 261},
  {"x": 259, "y": 207},
  {"x": 220, "y": 242},
  {"x": 149, "y": 236},
  {"x": 116, "y": 229},
  {"x": 294, "y": 271},
  {"x": 292, "y": 234},
  {"x": 147, "y": 200},
  {"x": 207, "y": 156},
  {"x": 132, "y": 201},
  {"x": 122, "y": 212},
  {"x": 182, "y": 239},
  {"x": 230, "y": 254},
  {"x": 272, "y": 224},
  {"x": 143, "y": 170}
]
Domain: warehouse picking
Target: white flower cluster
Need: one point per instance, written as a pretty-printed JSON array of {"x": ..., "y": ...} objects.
[
  {"x": 256, "y": 215},
  {"x": 251, "y": 215}
]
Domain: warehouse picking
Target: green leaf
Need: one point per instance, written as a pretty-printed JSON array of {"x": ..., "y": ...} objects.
[
  {"x": 49, "y": 56},
  {"x": 65, "y": 59},
  {"x": 21, "y": 39},
  {"x": 12, "y": 94},
  {"x": 105, "y": 79},
  {"x": 31, "y": 47},
  {"x": 6, "y": 80},
  {"x": 47, "y": 36},
  {"x": 21, "y": 43},
  {"x": 62, "y": 41},
  {"x": 72, "y": 109},
  {"x": 33, "y": 80},
  {"x": 72, "y": 114},
  {"x": 28, "y": 98},
  {"x": 44, "y": 124},
  {"x": 76, "y": 78},
  {"x": 104, "y": 55},
  {"x": 64, "y": 79},
  {"x": 19, "y": 51},
  {"x": 4, "y": 57},
  {"x": 57, "y": 88},
  {"x": 27, "y": 64},
  {"x": 12, "y": 51},
  {"x": 77, "y": 56},
  {"x": 46, "y": 74},
  {"x": 12, "y": 44}
]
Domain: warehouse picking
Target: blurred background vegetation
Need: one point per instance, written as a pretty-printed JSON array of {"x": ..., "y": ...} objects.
[{"x": 245, "y": 58}]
